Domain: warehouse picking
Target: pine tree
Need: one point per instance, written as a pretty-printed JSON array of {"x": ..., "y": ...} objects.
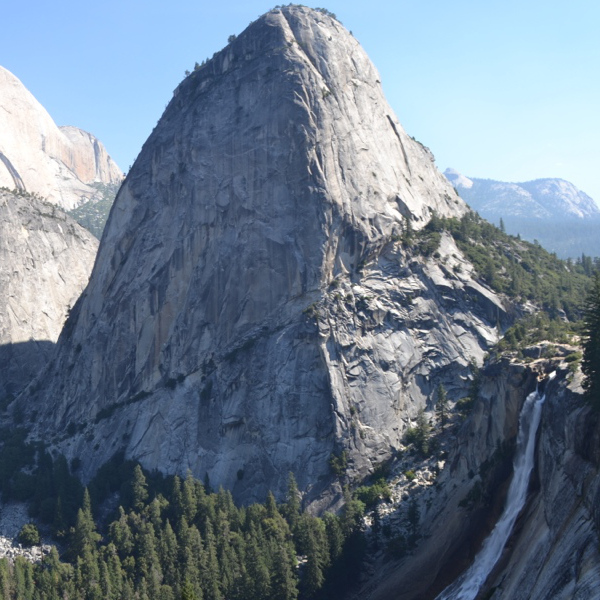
[
  {"x": 23, "y": 574},
  {"x": 420, "y": 434},
  {"x": 85, "y": 535},
  {"x": 115, "y": 570},
  {"x": 209, "y": 568},
  {"x": 168, "y": 554},
  {"x": 121, "y": 535},
  {"x": 139, "y": 489},
  {"x": 335, "y": 537},
  {"x": 292, "y": 504},
  {"x": 188, "y": 592},
  {"x": 176, "y": 504},
  {"x": 257, "y": 578},
  {"x": 283, "y": 581},
  {"x": 590, "y": 364},
  {"x": 271, "y": 506},
  {"x": 191, "y": 555},
  {"x": 87, "y": 573},
  {"x": 148, "y": 561},
  {"x": 229, "y": 567},
  {"x": 189, "y": 501},
  {"x": 441, "y": 405},
  {"x": 312, "y": 541},
  {"x": 5, "y": 578}
]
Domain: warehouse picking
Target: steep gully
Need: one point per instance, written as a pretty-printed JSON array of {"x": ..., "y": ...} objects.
[{"x": 469, "y": 584}]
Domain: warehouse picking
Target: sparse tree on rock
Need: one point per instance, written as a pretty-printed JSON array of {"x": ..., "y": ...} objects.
[{"x": 441, "y": 405}]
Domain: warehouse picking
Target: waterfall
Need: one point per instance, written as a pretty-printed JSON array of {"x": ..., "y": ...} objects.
[{"x": 467, "y": 586}]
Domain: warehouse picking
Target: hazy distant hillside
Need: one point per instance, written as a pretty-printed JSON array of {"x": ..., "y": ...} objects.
[{"x": 561, "y": 217}]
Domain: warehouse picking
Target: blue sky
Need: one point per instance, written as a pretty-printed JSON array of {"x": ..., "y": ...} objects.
[{"x": 505, "y": 90}]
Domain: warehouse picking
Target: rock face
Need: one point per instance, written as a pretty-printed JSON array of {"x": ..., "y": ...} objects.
[
  {"x": 45, "y": 262},
  {"x": 561, "y": 217},
  {"x": 252, "y": 311},
  {"x": 59, "y": 164}
]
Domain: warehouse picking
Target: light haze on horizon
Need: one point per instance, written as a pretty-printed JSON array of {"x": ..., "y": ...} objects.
[{"x": 500, "y": 90}]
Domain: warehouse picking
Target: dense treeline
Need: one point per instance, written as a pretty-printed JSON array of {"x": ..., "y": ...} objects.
[{"x": 189, "y": 543}]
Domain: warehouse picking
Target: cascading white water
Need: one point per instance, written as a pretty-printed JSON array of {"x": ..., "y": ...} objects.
[{"x": 469, "y": 583}]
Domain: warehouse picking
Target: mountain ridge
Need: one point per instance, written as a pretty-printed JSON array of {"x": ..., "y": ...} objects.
[
  {"x": 45, "y": 262},
  {"x": 550, "y": 210}
]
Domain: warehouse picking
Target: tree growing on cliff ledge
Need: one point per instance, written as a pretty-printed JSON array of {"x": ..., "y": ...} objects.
[
  {"x": 590, "y": 364},
  {"x": 441, "y": 405}
]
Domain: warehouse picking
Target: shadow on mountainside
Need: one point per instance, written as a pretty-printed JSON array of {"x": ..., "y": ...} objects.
[{"x": 21, "y": 364}]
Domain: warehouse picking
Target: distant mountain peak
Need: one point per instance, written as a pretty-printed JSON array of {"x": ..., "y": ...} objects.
[
  {"x": 57, "y": 163},
  {"x": 554, "y": 211},
  {"x": 458, "y": 180}
]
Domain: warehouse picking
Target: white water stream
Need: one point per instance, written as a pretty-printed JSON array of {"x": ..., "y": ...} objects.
[{"x": 469, "y": 583}]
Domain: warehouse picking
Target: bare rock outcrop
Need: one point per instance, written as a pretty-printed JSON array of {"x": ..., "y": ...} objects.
[
  {"x": 45, "y": 262},
  {"x": 252, "y": 310},
  {"x": 59, "y": 164}
]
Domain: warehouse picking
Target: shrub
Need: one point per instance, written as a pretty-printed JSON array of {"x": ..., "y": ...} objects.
[
  {"x": 371, "y": 494},
  {"x": 410, "y": 474},
  {"x": 465, "y": 405},
  {"x": 339, "y": 463},
  {"x": 29, "y": 535}
]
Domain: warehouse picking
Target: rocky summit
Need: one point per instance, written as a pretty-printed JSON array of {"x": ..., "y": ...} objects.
[
  {"x": 253, "y": 311},
  {"x": 64, "y": 165}
]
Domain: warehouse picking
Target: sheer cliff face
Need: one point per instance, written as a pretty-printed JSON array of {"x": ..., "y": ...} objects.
[
  {"x": 251, "y": 311},
  {"x": 555, "y": 552},
  {"x": 58, "y": 164},
  {"x": 45, "y": 262}
]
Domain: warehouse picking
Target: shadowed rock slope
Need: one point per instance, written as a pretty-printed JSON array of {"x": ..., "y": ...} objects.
[{"x": 252, "y": 310}]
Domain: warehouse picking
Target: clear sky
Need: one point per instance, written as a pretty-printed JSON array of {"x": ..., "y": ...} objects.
[{"x": 506, "y": 90}]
